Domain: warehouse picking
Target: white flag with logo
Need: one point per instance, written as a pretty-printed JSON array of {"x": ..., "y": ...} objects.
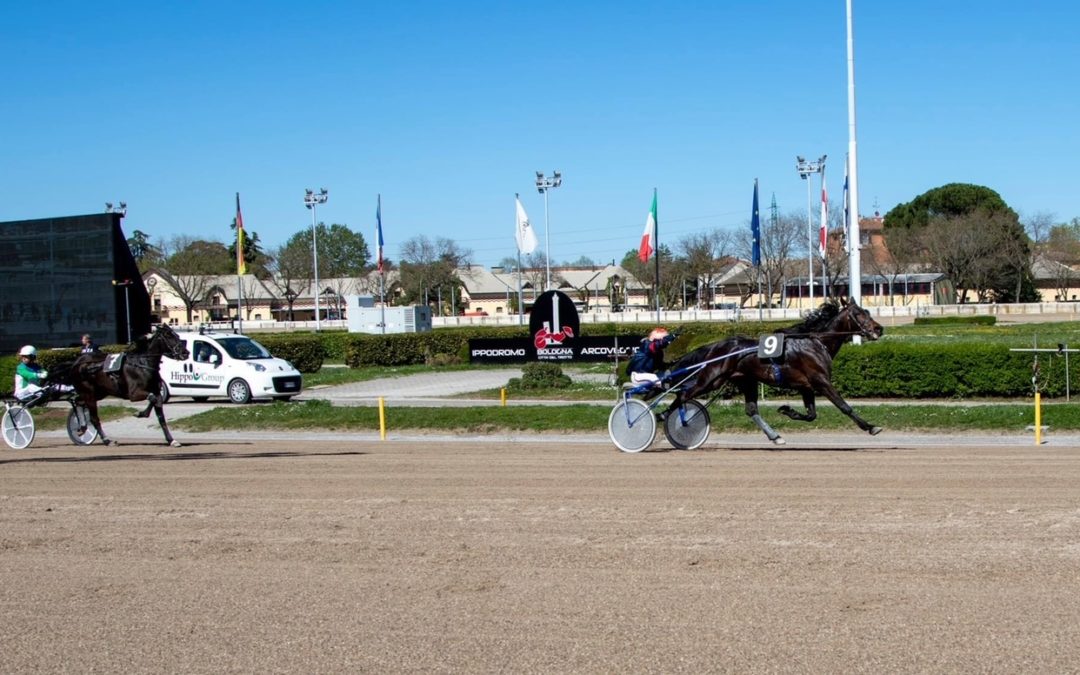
[{"x": 526, "y": 237}]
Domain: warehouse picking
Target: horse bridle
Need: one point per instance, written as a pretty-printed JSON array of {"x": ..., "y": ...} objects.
[{"x": 860, "y": 321}]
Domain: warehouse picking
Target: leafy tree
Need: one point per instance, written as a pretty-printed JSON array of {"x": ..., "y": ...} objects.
[
  {"x": 191, "y": 266},
  {"x": 255, "y": 259},
  {"x": 1001, "y": 273},
  {"x": 583, "y": 261},
  {"x": 672, "y": 276},
  {"x": 147, "y": 256}
]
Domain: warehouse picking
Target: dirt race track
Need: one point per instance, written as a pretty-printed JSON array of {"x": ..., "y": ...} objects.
[{"x": 334, "y": 556}]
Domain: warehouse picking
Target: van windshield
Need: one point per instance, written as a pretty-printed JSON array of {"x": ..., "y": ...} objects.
[{"x": 243, "y": 348}]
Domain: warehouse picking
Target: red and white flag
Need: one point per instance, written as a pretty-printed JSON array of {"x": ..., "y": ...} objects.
[
  {"x": 648, "y": 238},
  {"x": 823, "y": 232}
]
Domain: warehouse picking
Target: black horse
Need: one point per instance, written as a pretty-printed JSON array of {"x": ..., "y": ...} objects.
[
  {"x": 805, "y": 364},
  {"x": 137, "y": 379}
]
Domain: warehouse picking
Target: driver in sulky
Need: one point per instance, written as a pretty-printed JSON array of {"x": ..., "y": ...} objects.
[
  {"x": 648, "y": 360},
  {"x": 30, "y": 377}
]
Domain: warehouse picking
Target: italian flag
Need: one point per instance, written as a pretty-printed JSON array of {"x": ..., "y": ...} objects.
[{"x": 648, "y": 238}]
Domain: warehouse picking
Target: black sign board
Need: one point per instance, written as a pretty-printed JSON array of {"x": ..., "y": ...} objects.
[{"x": 522, "y": 350}]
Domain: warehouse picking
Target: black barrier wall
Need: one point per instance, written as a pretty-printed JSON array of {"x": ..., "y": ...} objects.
[{"x": 57, "y": 282}]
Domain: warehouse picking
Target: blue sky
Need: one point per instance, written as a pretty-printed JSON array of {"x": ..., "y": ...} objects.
[{"x": 448, "y": 109}]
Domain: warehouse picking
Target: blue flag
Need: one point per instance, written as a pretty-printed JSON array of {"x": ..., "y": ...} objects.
[
  {"x": 755, "y": 229},
  {"x": 378, "y": 232}
]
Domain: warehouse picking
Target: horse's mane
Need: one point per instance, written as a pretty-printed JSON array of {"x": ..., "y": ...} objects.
[{"x": 818, "y": 320}]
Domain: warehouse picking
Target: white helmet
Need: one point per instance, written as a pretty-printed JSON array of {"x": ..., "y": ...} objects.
[{"x": 28, "y": 350}]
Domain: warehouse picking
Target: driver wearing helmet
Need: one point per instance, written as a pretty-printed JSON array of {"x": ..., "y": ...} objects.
[
  {"x": 30, "y": 377},
  {"x": 648, "y": 360}
]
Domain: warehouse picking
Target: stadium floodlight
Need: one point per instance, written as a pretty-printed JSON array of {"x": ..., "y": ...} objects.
[
  {"x": 311, "y": 200},
  {"x": 806, "y": 168},
  {"x": 544, "y": 185}
]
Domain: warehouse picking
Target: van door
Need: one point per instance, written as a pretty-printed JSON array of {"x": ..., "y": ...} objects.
[
  {"x": 207, "y": 373},
  {"x": 200, "y": 374}
]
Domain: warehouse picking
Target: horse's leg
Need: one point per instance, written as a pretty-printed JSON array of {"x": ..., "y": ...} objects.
[
  {"x": 749, "y": 389},
  {"x": 92, "y": 407},
  {"x": 159, "y": 410},
  {"x": 811, "y": 409},
  {"x": 151, "y": 403},
  {"x": 834, "y": 396}
]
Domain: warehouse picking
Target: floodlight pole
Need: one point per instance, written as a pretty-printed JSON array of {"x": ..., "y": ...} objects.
[
  {"x": 544, "y": 185},
  {"x": 806, "y": 168},
  {"x": 311, "y": 200}
]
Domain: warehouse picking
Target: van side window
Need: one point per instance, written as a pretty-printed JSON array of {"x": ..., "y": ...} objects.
[{"x": 203, "y": 350}]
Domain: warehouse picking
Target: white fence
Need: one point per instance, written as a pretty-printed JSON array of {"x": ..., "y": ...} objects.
[{"x": 1035, "y": 311}]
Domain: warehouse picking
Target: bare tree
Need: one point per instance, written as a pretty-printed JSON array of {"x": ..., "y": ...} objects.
[
  {"x": 704, "y": 256},
  {"x": 780, "y": 241}
]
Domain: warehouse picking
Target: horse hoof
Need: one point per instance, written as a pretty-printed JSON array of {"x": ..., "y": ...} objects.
[
  {"x": 176, "y": 444},
  {"x": 779, "y": 441},
  {"x": 874, "y": 431},
  {"x": 107, "y": 441},
  {"x": 784, "y": 410},
  {"x": 142, "y": 414}
]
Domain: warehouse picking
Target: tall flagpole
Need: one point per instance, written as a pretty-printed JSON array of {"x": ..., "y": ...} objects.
[
  {"x": 854, "y": 238},
  {"x": 382, "y": 269}
]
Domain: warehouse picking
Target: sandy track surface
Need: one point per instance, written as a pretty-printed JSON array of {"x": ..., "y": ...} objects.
[{"x": 332, "y": 556}]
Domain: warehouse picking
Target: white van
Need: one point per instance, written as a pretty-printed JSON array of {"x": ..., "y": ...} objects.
[{"x": 228, "y": 364}]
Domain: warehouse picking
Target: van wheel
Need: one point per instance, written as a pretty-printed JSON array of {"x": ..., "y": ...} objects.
[
  {"x": 163, "y": 393},
  {"x": 239, "y": 391}
]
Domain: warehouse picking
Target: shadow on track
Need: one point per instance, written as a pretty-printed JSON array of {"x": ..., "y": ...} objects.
[{"x": 177, "y": 456}]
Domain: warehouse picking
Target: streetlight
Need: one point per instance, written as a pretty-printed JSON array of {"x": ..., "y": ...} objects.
[
  {"x": 311, "y": 200},
  {"x": 150, "y": 283},
  {"x": 544, "y": 185},
  {"x": 127, "y": 303},
  {"x": 806, "y": 168},
  {"x": 290, "y": 297}
]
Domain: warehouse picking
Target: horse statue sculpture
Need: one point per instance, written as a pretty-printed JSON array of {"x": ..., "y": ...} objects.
[
  {"x": 136, "y": 378},
  {"x": 805, "y": 364}
]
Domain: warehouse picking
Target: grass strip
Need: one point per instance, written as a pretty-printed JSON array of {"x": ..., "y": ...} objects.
[{"x": 322, "y": 416}]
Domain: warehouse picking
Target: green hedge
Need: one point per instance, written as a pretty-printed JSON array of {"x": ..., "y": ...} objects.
[
  {"x": 960, "y": 370},
  {"x": 306, "y": 351}
]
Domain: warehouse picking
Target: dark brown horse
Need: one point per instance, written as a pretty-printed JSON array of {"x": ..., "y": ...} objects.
[
  {"x": 136, "y": 380},
  {"x": 805, "y": 364}
]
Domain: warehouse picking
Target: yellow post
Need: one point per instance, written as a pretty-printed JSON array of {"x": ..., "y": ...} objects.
[
  {"x": 1038, "y": 419},
  {"x": 502, "y": 396},
  {"x": 382, "y": 419}
]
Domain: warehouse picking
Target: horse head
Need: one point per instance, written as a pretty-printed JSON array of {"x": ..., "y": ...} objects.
[
  {"x": 857, "y": 320},
  {"x": 168, "y": 343}
]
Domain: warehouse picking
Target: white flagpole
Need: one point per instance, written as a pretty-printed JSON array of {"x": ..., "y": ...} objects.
[{"x": 854, "y": 262}]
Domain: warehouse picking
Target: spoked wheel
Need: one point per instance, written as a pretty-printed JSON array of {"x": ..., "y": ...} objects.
[
  {"x": 79, "y": 418},
  {"x": 631, "y": 425},
  {"x": 688, "y": 427},
  {"x": 17, "y": 427}
]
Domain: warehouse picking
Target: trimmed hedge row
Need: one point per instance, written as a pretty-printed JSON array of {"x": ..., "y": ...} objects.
[
  {"x": 306, "y": 351},
  {"x": 955, "y": 370}
]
